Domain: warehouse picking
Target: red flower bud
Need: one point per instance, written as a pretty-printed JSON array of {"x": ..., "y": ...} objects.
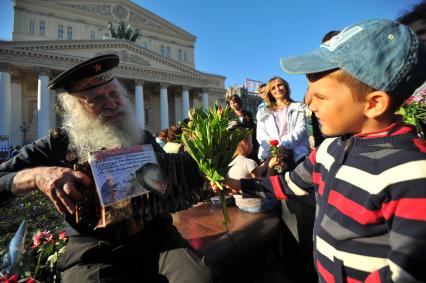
[
  {"x": 62, "y": 235},
  {"x": 274, "y": 142}
]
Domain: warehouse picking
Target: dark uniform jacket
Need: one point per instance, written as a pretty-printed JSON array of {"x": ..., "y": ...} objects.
[{"x": 50, "y": 150}]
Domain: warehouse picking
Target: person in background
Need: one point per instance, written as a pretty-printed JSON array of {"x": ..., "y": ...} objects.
[
  {"x": 262, "y": 93},
  {"x": 172, "y": 146},
  {"x": 162, "y": 138},
  {"x": 329, "y": 35},
  {"x": 244, "y": 119},
  {"x": 98, "y": 114},
  {"x": 369, "y": 179},
  {"x": 243, "y": 167},
  {"x": 416, "y": 20},
  {"x": 283, "y": 120}
]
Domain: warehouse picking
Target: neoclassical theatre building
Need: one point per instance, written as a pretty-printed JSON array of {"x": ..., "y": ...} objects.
[{"x": 50, "y": 36}]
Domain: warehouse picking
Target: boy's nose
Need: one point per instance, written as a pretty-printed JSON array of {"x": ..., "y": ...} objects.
[{"x": 313, "y": 106}]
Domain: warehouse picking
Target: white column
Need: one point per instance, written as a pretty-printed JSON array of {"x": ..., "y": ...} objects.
[
  {"x": 177, "y": 105},
  {"x": 52, "y": 109},
  {"x": 16, "y": 132},
  {"x": 205, "y": 98},
  {"x": 5, "y": 100},
  {"x": 164, "y": 107},
  {"x": 139, "y": 104},
  {"x": 43, "y": 104},
  {"x": 185, "y": 102}
]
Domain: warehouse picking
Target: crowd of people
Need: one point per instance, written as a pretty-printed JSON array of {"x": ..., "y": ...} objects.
[{"x": 366, "y": 167}]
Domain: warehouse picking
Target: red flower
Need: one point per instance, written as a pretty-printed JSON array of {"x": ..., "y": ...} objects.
[
  {"x": 62, "y": 235},
  {"x": 274, "y": 142},
  {"x": 219, "y": 111},
  {"x": 31, "y": 280},
  {"x": 42, "y": 237}
]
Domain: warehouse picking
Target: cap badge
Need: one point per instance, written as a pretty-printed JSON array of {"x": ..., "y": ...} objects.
[{"x": 98, "y": 67}]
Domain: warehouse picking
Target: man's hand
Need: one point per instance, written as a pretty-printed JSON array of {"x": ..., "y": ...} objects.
[{"x": 58, "y": 183}]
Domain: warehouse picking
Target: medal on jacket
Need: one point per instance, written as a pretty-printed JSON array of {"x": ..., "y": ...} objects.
[{"x": 71, "y": 156}]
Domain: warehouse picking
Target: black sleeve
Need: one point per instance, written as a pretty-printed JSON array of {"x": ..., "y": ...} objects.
[
  {"x": 47, "y": 151},
  {"x": 149, "y": 139}
]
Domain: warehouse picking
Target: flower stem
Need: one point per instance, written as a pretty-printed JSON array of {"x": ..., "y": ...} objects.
[{"x": 226, "y": 219}]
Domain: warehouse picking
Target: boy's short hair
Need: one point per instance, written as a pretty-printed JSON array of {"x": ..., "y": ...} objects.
[
  {"x": 358, "y": 89},
  {"x": 385, "y": 55}
]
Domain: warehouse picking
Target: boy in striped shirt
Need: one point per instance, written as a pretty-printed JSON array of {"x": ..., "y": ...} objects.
[{"x": 370, "y": 179}]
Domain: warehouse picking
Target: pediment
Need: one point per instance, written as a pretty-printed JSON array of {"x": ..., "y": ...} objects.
[
  {"x": 131, "y": 55},
  {"x": 112, "y": 10}
]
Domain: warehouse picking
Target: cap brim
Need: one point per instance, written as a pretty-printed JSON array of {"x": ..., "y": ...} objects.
[{"x": 309, "y": 63}]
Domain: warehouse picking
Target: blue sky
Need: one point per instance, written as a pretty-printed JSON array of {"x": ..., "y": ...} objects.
[{"x": 242, "y": 39}]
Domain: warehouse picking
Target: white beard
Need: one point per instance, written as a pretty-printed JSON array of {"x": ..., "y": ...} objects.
[{"x": 88, "y": 133}]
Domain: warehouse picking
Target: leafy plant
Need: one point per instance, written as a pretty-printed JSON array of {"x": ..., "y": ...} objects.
[{"x": 211, "y": 144}]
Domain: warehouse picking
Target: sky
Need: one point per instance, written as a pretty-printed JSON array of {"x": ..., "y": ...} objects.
[{"x": 242, "y": 39}]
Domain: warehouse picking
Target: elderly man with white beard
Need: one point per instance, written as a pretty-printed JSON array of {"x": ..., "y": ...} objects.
[{"x": 97, "y": 114}]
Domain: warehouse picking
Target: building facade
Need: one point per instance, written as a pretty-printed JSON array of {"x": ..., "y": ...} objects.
[{"x": 50, "y": 36}]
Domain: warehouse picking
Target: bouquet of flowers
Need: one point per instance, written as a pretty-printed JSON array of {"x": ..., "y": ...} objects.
[
  {"x": 47, "y": 249},
  {"x": 414, "y": 111},
  {"x": 211, "y": 144},
  {"x": 39, "y": 263}
]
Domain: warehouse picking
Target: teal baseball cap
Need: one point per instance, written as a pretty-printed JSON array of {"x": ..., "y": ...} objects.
[{"x": 383, "y": 54}]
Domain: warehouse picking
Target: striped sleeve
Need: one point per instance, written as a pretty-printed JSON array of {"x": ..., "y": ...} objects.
[
  {"x": 292, "y": 184},
  {"x": 405, "y": 214}
]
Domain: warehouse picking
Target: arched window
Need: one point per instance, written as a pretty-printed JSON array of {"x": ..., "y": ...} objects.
[
  {"x": 168, "y": 52},
  {"x": 180, "y": 54},
  {"x": 31, "y": 26},
  {"x": 69, "y": 33},
  {"x": 184, "y": 56},
  {"x": 162, "y": 50},
  {"x": 60, "y": 31},
  {"x": 42, "y": 27}
]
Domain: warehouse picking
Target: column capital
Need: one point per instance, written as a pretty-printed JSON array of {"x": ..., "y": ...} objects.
[
  {"x": 42, "y": 71},
  {"x": 164, "y": 85},
  {"x": 4, "y": 67},
  {"x": 185, "y": 87},
  {"x": 139, "y": 82},
  {"x": 205, "y": 89}
]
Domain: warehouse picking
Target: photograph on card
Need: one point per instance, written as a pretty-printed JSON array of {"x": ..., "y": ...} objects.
[{"x": 114, "y": 171}]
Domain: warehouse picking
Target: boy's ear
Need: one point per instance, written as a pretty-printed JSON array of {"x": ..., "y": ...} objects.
[{"x": 377, "y": 103}]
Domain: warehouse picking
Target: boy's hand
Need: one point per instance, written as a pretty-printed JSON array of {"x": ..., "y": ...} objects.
[{"x": 232, "y": 185}]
